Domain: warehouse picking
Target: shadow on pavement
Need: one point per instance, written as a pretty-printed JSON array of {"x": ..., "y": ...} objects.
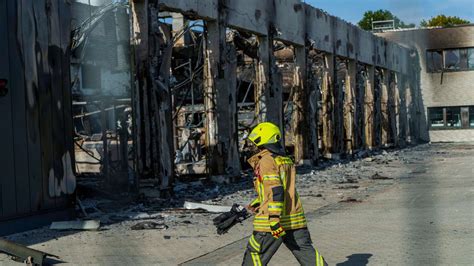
[
  {"x": 356, "y": 260},
  {"x": 52, "y": 261}
]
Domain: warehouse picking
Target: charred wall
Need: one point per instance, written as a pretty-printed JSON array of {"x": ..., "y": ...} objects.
[
  {"x": 35, "y": 107},
  {"x": 349, "y": 102}
]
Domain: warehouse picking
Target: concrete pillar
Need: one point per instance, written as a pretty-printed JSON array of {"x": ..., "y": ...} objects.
[
  {"x": 328, "y": 105},
  {"x": 159, "y": 68},
  {"x": 338, "y": 122},
  {"x": 268, "y": 85},
  {"x": 403, "y": 113},
  {"x": 152, "y": 100},
  {"x": 369, "y": 108},
  {"x": 220, "y": 91},
  {"x": 409, "y": 107},
  {"x": 312, "y": 113},
  {"x": 305, "y": 111},
  {"x": 140, "y": 44},
  {"x": 385, "y": 126},
  {"x": 359, "y": 121},
  {"x": 349, "y": 107},
  {"x": 394, "y": 103}
]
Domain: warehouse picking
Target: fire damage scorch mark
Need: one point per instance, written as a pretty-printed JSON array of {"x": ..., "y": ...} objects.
[{"x": 67, "y": 183}]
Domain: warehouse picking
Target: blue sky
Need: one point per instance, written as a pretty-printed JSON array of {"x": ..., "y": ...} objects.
[{"x": 409, "y": 11}]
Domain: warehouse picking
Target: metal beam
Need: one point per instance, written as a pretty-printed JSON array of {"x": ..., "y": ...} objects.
[{"x": 27, "y": 255}]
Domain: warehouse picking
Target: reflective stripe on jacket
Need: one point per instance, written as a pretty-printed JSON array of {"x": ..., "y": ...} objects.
[{"x": 275, "y": 183}]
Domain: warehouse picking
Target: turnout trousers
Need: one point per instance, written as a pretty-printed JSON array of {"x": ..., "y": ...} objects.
[{"x": 262, "y": 246}]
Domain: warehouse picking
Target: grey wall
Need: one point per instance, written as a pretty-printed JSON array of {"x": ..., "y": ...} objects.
[{"x": 35, "y": 115}]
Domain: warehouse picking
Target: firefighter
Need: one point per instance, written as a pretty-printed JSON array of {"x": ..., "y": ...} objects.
[{"x": 279, "y": 216}]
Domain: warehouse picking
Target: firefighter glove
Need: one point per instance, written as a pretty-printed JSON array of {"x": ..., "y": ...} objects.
[{"x": 277, "y": 230}]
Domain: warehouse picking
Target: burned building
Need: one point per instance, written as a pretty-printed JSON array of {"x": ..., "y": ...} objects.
[
  {"x": 133, "y": 91},
  {"x": 37, "y": 153},
  {"x": 446, "y": 60}
]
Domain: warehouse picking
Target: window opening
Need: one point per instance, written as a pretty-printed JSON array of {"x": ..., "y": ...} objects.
[
  {"x": 471, "y": 117},
  {"x": 470, "y": 58},
  {"x": 453, "y": 117},
  {"x": 434, "y": 61},
  {"x": 436, "y": 117},
  {"x": 452, "y": 59}
]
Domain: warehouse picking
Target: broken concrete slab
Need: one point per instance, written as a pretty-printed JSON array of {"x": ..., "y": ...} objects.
[
  {"x": 76, "y": 225},
  {"x": 137, "y": 216},
  {"x": 210, "y": 208},
  {"x": 24, "y": 254},
  {"x": 149, "y": 226}
]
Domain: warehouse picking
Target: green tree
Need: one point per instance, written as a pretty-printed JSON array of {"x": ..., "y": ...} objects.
[
  {"x": 443, "y": 21},
  {"x": 378, "y": 15}
]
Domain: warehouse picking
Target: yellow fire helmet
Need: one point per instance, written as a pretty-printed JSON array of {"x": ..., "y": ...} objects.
[{"x": 265, "y": 133}]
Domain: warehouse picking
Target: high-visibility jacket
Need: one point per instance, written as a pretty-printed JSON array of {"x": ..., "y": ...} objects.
[{"x": 278, "y": 200}]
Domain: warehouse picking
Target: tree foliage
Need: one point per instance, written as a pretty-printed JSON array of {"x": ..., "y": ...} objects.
[
  {"x": 443, "y": 21},
  {"x": 378, "y": 15}
]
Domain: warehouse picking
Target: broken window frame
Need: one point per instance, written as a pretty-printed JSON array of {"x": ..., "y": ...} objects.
[
  {"x": 471, "y": 117},
  {"x": 434, "y": 116},
  {"x": 470, "y": 58},
  {"x": 453, "y": 117},
  {"x": 452, "y": 60},
  {"x": 462, "y": 119},
  {"x": 463, "y": 59},
  {"x": 436, "y": 64}
]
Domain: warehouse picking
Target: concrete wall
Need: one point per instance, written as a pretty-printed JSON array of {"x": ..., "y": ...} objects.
[
  {"x": 458, "y": 135},
  {"x": 441, "y": 89},
  {"x": 35, "y": 114}
]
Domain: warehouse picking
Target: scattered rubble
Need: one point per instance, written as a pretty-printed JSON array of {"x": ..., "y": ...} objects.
[
  {"x": 149, "y": 225},
  {"x": 328, "y": 175},
  {"x": 136, "y": 216}
]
